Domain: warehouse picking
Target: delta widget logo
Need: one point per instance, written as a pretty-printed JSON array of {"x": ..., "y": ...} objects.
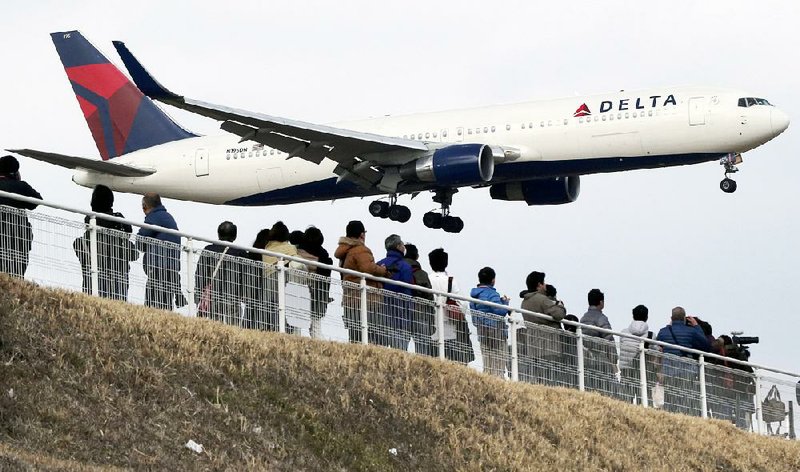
[{"x": 582, "y": 110}]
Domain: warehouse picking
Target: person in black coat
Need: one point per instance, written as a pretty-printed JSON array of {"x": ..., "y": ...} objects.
[
  {"x": 253, "y": 288},
  {"x": 319, "y": 285},
  {"x": 218, "y": 279},
  {"x": 115, "y": 250},
  {"x": 16, "y": 236}
]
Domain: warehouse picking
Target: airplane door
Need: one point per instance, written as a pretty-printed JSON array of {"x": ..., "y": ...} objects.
[
  {"x": 459, "y": 134},
  {"x": 697, "y": 111},
  {"x": 201, "y": 162}
]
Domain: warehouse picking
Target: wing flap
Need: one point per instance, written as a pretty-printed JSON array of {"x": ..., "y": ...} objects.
[
  {"x": 308, "y": 141},
  {"x": 74, "y": 162}
]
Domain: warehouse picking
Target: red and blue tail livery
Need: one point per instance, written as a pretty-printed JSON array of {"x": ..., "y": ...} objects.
[{"x": 120, "y": 117}]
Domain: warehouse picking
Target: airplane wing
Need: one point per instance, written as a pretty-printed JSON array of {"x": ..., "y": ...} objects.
[
  {"x": 73, "y": 162},
  {"x": 359, "y": 155}
]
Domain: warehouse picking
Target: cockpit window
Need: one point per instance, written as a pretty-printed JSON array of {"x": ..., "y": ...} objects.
[{"x": 750, "y": 101}]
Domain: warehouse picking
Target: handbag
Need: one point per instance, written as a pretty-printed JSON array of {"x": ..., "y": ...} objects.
[
  {"x": 452, "y": 307},
  {"x": 204, "y": 306},
  {"x": 773, "y": 410}
]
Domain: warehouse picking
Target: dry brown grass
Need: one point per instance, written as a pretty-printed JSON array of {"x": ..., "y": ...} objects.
[{"x": 98, "y": 384}]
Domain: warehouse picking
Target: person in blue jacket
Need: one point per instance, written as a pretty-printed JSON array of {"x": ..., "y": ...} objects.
[
  {"x": 492, "y": 332},
  {"x": 162, "y": 262},
  {"x": 393, "y": 326},
  {"x": 680, "y": 370}
]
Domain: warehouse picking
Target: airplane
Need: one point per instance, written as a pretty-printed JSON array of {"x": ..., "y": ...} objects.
[{"x": 533, "y": 152}]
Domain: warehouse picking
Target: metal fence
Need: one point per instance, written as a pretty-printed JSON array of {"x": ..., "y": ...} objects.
[{"x": 232, "y": 284}]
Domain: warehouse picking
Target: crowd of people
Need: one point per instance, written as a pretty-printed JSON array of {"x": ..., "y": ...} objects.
[{"x": 241, "y": 287}]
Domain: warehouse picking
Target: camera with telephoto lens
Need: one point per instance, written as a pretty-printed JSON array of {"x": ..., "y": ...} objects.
[{"x": 738, "y": 348}]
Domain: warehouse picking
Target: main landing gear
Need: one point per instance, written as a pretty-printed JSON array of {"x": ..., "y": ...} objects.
[
  {"x": 728, "y": 185},
  {"x": 443, "y": 220},
  {"x": 433, "y": 219},
  {"x": 390, "y": 209}
]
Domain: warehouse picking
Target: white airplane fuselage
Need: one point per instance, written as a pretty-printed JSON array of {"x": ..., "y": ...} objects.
[{"x": 567, "y": 136}]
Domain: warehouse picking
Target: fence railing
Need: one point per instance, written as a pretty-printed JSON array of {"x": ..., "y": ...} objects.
[{"x": 231, "y": 284}]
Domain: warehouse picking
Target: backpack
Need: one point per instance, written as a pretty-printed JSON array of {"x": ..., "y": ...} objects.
[{"x": 419, "y": 293}]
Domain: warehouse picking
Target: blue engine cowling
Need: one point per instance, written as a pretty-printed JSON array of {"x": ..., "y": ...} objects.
[
  {"x": 555, "y": 191},
  {"x": 456, "y": 165}
]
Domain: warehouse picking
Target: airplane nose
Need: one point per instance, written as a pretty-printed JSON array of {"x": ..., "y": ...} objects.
[{"x": 780, "y": 121}]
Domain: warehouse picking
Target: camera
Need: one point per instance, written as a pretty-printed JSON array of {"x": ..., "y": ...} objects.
[
  {"x": 736, "y": 347},
  {"x": 745, "y": 340}
]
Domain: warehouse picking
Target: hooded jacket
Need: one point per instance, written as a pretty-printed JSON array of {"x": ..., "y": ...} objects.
[
  {"x": 628, "y": 347},
  {"x": 354, "y": 255}
]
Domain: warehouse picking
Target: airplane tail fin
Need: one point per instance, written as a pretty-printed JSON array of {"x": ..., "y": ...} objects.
[{"x": 120, "y": 117}]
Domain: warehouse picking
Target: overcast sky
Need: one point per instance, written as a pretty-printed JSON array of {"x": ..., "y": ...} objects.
[{"x": 658, "y": 237}]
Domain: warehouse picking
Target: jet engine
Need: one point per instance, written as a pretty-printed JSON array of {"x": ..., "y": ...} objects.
[
  {"x": 454, "y": 166},
  {"x": 554, "y": 191}
]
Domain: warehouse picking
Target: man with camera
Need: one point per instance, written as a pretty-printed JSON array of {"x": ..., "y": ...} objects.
[{"x": 679, "y": 369}]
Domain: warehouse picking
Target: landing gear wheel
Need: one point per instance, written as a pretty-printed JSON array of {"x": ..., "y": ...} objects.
[
  {"x": 432, "y": 220},
  {"x": 452, "y": 224},
  {"x": 379, "y": 208},
  {"x": 728, "y": 185},
  {"x": 399, "y": 213}
]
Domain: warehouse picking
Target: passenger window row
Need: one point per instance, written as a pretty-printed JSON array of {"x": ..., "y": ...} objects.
[
  {"x": 618, "y": 116},
  {"x": 253, "y": 153}
]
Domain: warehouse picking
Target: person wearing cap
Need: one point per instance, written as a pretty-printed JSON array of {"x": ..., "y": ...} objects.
[
  {"x": 354, "y": 255},
  {"x": 16, "y": 236},
  {"x": 115, "y": 250}
]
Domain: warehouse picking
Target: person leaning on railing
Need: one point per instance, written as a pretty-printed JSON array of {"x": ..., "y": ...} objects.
[
  {"x": 601, "y": 352},
  {"x": 455, "y": 332},
  {"x": 115, "y": 251},
  {"x": 162, "y": 262},
  {"x": 353, "y": 254},
  {"x": 539, "y": 349},
  {"x": 218, "y": 278},
  {"x": 254, "y": 290},
  {"x": 422, "y": 321},
  {"x": 679, "y": 369},
  {"x": 492, "y": 330},
  {"x": 319, "y": 286},
  {"x": 16, "y": 236},
  {"x": 393, "y": 328},
  {"x": 278, "y": 243}
]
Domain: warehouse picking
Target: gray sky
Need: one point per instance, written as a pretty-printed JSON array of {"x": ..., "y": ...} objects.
[{"x": 658, "y": 237}]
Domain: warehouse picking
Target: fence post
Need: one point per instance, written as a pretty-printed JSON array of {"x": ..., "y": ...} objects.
[
  {"x": 757, "y": 399},
  {"x": 364, "y": 320},
  {"x": 281, "y": 295},
  {"x": 95, "y": 275},
  {"x": 512, "y": 333},
  {"x": 190, "y": 288},
  {"x": 440, "y": 304},
  {"x": 643, "y": 374},
  {"x": 581, "y": 370},
  {"x": 703, "y": 397}
]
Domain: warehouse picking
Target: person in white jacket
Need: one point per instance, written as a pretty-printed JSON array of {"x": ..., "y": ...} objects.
[
  {"x": 629, "y": 353},
  {"x": 457, "y": 343}
]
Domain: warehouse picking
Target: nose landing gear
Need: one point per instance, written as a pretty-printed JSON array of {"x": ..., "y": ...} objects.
[
  {"x": 728, "y": 185},
  {"x": 443, "y": 220}
]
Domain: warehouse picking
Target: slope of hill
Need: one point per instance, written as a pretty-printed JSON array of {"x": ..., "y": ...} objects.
[{"x": 90, "y": 384}]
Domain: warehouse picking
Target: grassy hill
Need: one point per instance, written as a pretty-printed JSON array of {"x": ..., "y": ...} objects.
[{"x": 89, "y": 384}]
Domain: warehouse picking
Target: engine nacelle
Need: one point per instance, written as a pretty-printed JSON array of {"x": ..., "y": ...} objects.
[
  {"x": 456, "y": 165},
  {"x": 555, "y": 191}
]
